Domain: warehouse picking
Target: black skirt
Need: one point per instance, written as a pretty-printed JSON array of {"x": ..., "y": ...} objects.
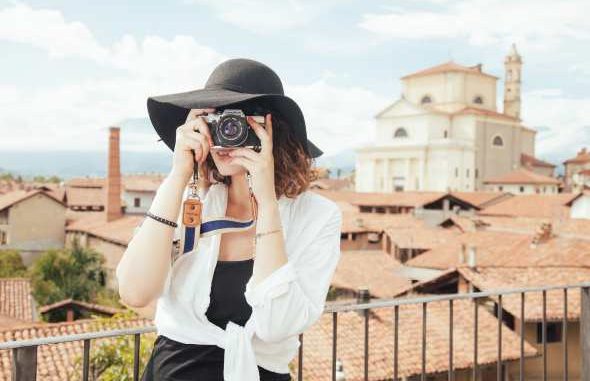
[{"x": 174, "y": 361}]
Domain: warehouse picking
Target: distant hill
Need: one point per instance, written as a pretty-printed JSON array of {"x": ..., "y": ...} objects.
[{"x": 67, "y": 164}]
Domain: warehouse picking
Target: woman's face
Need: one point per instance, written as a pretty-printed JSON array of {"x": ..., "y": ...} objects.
[{"x": 221, "y": 158}]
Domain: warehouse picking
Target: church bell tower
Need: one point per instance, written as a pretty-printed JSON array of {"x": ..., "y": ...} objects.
[{"x": 513, "y": 67}]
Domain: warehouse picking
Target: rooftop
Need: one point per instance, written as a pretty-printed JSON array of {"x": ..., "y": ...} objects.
[{"x": 449, "y": 67}]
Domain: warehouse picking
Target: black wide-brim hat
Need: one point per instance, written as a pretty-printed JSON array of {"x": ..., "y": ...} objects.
[{"x": 231, "y": 82}]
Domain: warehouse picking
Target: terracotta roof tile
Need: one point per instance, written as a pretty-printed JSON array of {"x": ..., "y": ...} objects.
[
  {"x": 487, "y": 279},
  {"x": 16, "y": 301},
  {"x": 14, "y": 197},
  {"x": 353, "y": 221},
  {"x": 407, "y": 199},
  {"x": 484, "y": 112},
  {"x": 119, "y": 231},
  {"x": 523, "y": 176},
  {"x": 528, "y": 160},
  {"x": 369, "y": 268},
  {"x": 446, "y": 67},
  {"x": 317, "y": 342},
  {"x": 57, "y": 361},
  {"x": 532, "y": 205},
  {"x": 420, "y": 237},
  {"x": 582, "y": 157},
  {"x": 481, "y": 199}
]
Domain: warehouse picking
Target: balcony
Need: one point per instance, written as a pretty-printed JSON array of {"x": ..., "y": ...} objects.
[{"x": 467, "y": 336}]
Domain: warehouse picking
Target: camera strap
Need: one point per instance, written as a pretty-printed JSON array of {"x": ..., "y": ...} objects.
[{"x": 195, "y": 226}]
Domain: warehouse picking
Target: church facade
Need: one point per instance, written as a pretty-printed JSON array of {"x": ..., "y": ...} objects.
[{"x": 445, "y": 133}]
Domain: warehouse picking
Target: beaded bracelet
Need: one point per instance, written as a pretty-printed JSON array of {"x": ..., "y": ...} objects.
[
  {"x": 268, "y": 232},
  {"x": 162, "y": 220}
]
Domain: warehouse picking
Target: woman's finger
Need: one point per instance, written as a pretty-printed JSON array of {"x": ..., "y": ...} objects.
[
  {"x": 245, "y": 152},
  {"x": 193, "y": 113},
  {"x": 199, "y": 145},
  {"x": 260, "y": 132},
  {"x": 244, "y": 162},
  {"x": 198, "y": 125}
]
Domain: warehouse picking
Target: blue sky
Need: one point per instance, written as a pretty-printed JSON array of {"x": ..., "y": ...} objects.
[{"x": 69, "y": 69}]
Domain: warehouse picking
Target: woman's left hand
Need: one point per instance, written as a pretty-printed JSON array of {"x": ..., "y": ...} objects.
[{"x": 259, "y": 164}]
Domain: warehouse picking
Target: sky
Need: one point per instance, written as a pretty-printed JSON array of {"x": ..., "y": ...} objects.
[{"x": 70, "y": 69}]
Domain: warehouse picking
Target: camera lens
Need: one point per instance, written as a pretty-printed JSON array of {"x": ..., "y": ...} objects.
[{"x": 232, "y": 131}]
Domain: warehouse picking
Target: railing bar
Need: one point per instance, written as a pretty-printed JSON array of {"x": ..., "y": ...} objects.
[
  {"x": 436, "y": 298},
  {"x": 367, "y": 345},
  {"x": 300, "y": 361},
  {"x": 451, "y": 317},
  {"x": 522, "y": 330},
  {"x": 395, "y": 342},
  {"x": 86, "y": 361},
  {"x": 544, "y": 335},
  {"x": 475, "y": 323},
  {"x": 136, "y": 349},
  {"x": 564, "y": 335},
  {"x": 334, "y": 338},
  {"x": 500, "y": 316},
  {"x": 423, "y": 377}
]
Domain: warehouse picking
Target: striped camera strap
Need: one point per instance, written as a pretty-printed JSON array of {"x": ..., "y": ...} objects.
[{"x": 210, "y": 226}]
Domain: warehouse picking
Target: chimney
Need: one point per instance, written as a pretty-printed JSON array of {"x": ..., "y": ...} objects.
[
  {"x": 113, "y": 180},
  {"x": 543, "y": 234},
  {"x": 472, "y": 257}
]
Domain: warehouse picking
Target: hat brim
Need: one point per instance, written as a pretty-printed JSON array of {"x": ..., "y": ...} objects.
[{"x": 167, "y": 112}]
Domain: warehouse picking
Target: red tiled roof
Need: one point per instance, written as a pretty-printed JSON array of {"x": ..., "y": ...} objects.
[
  {"x": 528, "y": 160},
  {"x": 523, "y": 176},
  {"x": 107, "y": 310},
  {"x": 317, "y": 342},
  {"x": 356, "y": 222},
  {"x": 85, "y": 196},
  {"x": 16, "y": 301},
  {"x": 420, "y": 238},
  {"x": 469, "y": 110},
  {"x": 503, "y": 249},
  {"x": 532, "y": 205},
  {"x": 481, "y": 198},
  {"x": 369, "y": 268},
  {"x": 487, "y": 279},
  {"x": 119, "y": 231},
  {"x": 14, "y": 197},
  {"x": 406, "y": 199},
  {"x": 57, "y": 362},
  {"x": 582, "y": 157},
  {"x": 449, "y": 67}
]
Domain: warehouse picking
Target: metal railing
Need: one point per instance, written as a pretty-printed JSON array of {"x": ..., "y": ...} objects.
[{"x": 24, "y": 360}]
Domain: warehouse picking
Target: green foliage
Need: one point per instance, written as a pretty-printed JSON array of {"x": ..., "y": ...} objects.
[
  {"x": 67, "y": 273},
  {"x": 43, "y": 179},
  {"x": 11, "y": 264},
  {"x": 112, "y": 359}
]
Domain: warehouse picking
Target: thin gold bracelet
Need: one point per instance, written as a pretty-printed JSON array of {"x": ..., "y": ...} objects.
[{"x": 255, "y": 238}]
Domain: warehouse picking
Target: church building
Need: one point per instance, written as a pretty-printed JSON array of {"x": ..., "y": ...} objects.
[{"x": 445, "y": 133}]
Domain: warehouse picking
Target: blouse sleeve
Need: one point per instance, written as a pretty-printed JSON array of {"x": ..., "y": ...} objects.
[{"x": 293, "y": 297}]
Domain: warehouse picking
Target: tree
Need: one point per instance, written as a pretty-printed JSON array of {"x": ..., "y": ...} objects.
[
  {"x": 67, "y": 273},
  {"x": 112, "y": 359},
  {"x": 11, "y": 264}
]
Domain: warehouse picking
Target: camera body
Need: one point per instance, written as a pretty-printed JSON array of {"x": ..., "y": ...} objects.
[{"x": 230, "y": 129}]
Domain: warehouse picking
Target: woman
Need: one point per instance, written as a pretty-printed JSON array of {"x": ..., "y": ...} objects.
[{"x": 232, "y": 308}]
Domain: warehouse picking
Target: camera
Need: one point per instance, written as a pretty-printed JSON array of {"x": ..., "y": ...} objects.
[{"x": 230, "y": 128}]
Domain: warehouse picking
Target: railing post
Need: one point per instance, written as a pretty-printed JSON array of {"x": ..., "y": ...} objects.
[
  {"x": 24, "y": 364},
  {"x": 585, "y": 333}
]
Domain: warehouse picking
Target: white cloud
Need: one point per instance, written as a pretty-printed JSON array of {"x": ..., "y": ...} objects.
[
  {"x": 263, "y": 16},
  {"x": 338, "y": 117},
  {"x": 565, "y": 122},
  {"x": 77, "y": 115},
  {"x": 532, "y": 23}
]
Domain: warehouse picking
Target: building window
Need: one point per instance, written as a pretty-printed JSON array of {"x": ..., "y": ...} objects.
[
  {"x": 521, "y": 189},
  {"x": 400, "y": 133},
  {"x": 476, "y": 173},
  {"x": 500, "y": 188},
  {"x": 456, "y": 172},
  {"x": 478, "y": 100},
  {"x": 467, "y": 173},
  {"x": 446, "y": 134},
  {"x": 509, "y": 75},
  {"x": 137, "y": 202},
  {"x": 553, "y": 332},
  {"x": 426, "y": 99},
  {"x": 498, "y": 141},
  {"x": 3, "y": 237}
]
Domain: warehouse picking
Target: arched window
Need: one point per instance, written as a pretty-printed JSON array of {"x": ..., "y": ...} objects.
[
  {"x": 498, "y": 141},
  {"x": 400, "y": 133},
  {"x": 426, "y": 99},
  {"x": 509, "y": 75},
  {"x": 478, "y": 100}
]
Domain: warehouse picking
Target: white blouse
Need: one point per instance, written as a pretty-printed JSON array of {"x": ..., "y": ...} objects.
[{"x": 284, "y": 304}]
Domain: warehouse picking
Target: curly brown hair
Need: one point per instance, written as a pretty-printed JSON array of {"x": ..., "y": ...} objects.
[{"x": 293, "y": 166}]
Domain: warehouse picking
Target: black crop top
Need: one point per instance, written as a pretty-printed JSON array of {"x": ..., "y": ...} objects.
[{"x": 171, "y": 360}]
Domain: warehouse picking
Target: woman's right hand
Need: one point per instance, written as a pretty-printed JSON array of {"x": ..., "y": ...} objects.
[{"x": 193, "y": 135}]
